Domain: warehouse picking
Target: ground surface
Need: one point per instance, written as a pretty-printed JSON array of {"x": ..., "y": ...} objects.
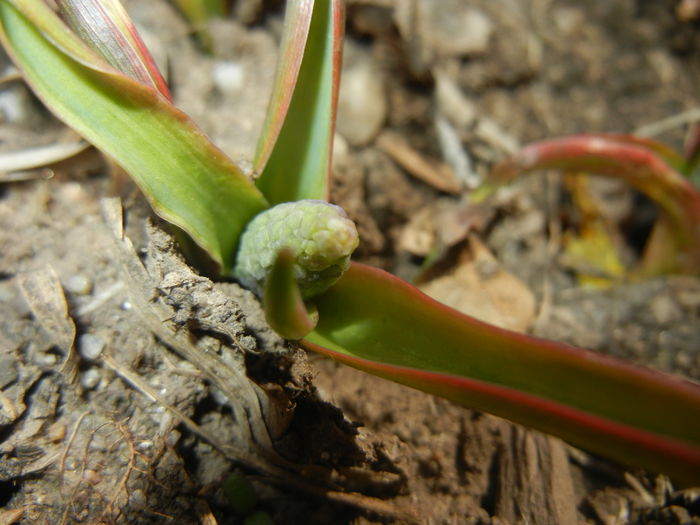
[{"x": 131, "y": 386}]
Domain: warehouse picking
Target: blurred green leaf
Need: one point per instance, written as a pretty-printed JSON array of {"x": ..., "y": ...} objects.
[
  {"x": 376, "y": 322},
  {"x": 187, "y": 180},
  {"x": 294, "y": 150},
  {"x": 240, "y": 493},
  {"x": 198, "y": 13},
  {"x": 259, "y": 517}
]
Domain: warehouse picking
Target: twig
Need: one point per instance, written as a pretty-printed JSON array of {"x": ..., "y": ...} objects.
[
  {"x": 62, "y": 465},
  {"x": 83, "y": 466},
  {"x": 669, "y": 123},
  {"x": 139, "y": 384}
]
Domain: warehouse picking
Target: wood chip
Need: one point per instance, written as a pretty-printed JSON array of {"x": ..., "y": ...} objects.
[
  {"x": 10, "y": 516},
  {"x": 535, "y": 469},
  {"x": 437, "y": 174}
]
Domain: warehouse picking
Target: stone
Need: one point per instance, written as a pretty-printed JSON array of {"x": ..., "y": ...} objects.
[{"x": 362, "y": 104}]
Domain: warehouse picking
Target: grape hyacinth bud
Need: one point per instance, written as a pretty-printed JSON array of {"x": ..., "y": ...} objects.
[{"x": 320, "y": 236}]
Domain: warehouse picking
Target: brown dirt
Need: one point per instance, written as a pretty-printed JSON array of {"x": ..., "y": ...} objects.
[{"x": 131, "y": 386}]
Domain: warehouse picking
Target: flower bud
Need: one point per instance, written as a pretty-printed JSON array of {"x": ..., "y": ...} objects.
[{"x": 320, "y": 236}]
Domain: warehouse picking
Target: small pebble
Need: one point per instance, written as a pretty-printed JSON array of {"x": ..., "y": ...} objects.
[
  {"x": 457, "y": 29},
  {"x": 45, "y": 359},
  {"x": 453, "y": 104},
  {"x": 218, "y": 396},
  {"x": 56, "y": 432},
  {"x": 683, "y": 361},
  {"x": 665, "y": 310},
  {"x": 143, "y": 446},
  {"x": 92, "y": 477},
  {"x": 362, "y": 104},
  {"x": 228, "y": 76},
  {"x": 15, "y": 105},
  {"x": 78, "y": 284},
  {"x": 90, "y": 379},
  {"x": 90, "y": 346},
  {"x": 138, "y": 498},
  {"x": 454, "y": 153},
  {"x": 248, "y": 343}
]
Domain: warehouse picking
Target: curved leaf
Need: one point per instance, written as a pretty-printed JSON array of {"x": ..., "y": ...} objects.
[
  {"x": 105, "y": 26},
  {"x": 297, "y": 20},
  {"x": 666, "y": 153},
  {"x": 187, "y": 180},
  {"x": 294, "y": 151},
  {"x": 285, "y": 310},
  {"x": 376, "y": 322},
  {"x": 629, "y": 160}
]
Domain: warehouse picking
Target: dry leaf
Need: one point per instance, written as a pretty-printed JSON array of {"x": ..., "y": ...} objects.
[
  {"x": 437, "y": 174},
  {"x": 443, "y": 223},
  {"x": 479, "y": 287},
  {"x": 44, "y": 294}
]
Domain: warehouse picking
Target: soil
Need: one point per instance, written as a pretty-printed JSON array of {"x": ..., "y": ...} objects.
[{"x": 135, "y": 390}]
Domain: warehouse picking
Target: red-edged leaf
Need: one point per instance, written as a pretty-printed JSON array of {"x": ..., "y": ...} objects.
[
  {"x": 378, "y": 323},
  {"x": 188, "y": 181},
  {"x": 664, "y": 151},
  {"x": 106, "y": 27},
  {"x": 630, "y": 160},
  {"x": 296, "y": 29},
  {"x": 295, "y": 147}
]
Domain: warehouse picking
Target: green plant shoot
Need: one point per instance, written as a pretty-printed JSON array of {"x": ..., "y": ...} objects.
[{"x": 366, "y": 318}]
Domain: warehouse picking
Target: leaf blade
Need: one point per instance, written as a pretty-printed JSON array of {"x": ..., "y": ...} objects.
[
  {"x": 374, "y": 321},
  {"x": 630, "y": 160},
  {"x": 187, "y": 180},
  {"x": 105, "y": 26},
  {"x": 295, "y": 148},
  {"x": 297, "y": 20}
]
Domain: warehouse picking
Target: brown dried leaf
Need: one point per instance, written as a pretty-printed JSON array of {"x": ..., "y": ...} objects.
[
  {"x": 479, "y": 287},
  {"x": 44, "y": 294},
  {"x": 418, "y": 236},
  {"x": 437, "y": 174},
  {"x": 10, "y": 516},
  {"x": 442, "y": 224}
]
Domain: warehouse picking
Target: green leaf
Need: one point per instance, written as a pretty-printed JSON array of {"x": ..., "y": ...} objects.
[
  {"x": 284, "y": 307},
  {"x": 187, "y": 180},
  {"x": 240, "y": 493},
  {"x": 294, "y": 150},
  {"x": 198, "y": 13},
  {"x": 376, "y": 322},
  {"x": 297, "y": 20}
]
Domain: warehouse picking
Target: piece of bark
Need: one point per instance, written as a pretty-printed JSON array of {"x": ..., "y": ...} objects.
[{"x": 534, "y": 483}]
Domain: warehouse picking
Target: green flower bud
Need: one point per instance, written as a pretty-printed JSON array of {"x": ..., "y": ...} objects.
[{"x": 319, "y": 234}]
